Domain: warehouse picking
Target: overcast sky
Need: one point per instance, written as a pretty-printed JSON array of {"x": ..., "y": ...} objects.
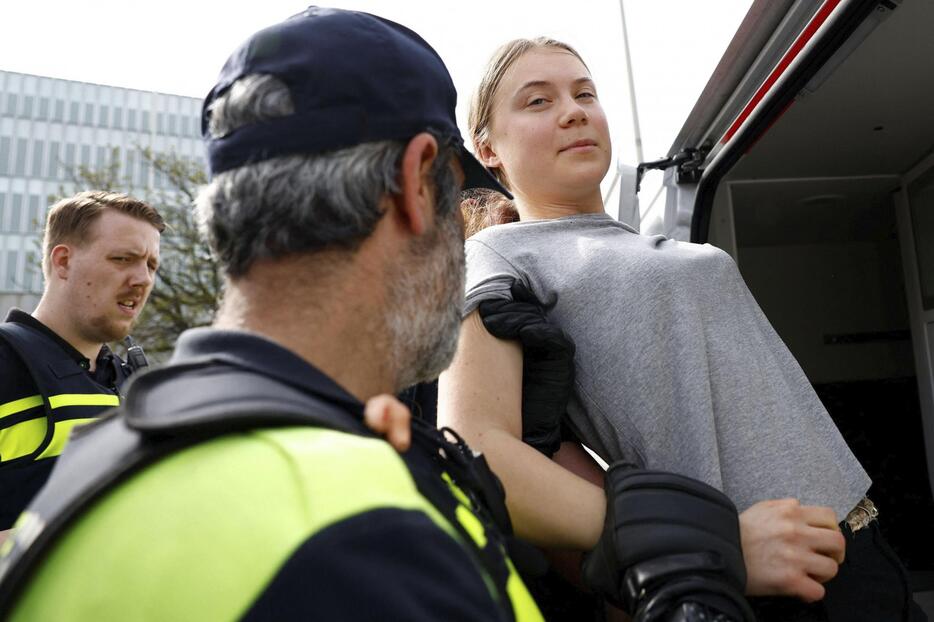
[{"x": 178, "y": 46}]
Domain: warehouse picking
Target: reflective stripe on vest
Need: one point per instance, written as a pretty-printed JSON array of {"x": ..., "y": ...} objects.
[
  {"x": 22, "y": 439},
  {"x": 523, "y": 605},
  {"x": 69, "y": 397}
]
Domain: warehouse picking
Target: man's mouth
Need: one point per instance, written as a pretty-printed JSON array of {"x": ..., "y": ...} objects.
[{"x": 128, "y": 304}]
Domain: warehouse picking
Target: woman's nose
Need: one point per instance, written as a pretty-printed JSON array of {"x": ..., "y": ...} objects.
[{"x": 573, "y": 114}]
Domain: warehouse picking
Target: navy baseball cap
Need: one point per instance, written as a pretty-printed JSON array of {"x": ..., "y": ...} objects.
[{"x": 354, "y": 78}]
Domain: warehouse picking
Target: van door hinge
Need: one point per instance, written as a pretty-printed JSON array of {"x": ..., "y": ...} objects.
[{"x": 688, "y": 162}]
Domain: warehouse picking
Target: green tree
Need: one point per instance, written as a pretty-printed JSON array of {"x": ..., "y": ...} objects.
[{"x": 188, "y": 284}]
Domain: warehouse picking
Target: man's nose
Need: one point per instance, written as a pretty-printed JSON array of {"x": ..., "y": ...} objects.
[{"x": 141, "y": 275}]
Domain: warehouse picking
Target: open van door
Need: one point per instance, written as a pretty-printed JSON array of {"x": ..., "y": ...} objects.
[
  {"x": 809, "y": 157},
  {"x": 915, "y": 212}
]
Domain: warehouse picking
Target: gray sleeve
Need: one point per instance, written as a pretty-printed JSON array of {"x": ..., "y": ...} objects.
[{"x": 489, "y": 275}]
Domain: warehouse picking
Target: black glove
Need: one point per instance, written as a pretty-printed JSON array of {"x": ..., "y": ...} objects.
[
  {"x": 547, "y": 364},
  {"x": 670, "y": 549}
]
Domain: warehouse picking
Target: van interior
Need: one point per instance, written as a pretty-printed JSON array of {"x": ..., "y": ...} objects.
[{"x": 822, "y": 214}]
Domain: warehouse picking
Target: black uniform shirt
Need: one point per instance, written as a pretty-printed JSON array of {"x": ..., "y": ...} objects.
[{"x": 19, "y": 483}]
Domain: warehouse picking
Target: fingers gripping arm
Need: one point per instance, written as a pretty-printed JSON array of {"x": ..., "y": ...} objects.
[{"x": 480, "y": 396}]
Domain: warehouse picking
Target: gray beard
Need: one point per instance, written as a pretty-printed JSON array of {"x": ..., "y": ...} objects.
[{"x": 425, "y": 305}]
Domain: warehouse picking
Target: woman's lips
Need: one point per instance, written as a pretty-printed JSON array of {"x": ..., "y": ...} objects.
[{"x": 580, "y": 145}]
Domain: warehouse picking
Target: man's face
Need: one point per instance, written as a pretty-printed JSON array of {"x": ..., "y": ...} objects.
[
  {"x": 110, "y": 275},
  {"x": 427, "y": 297}
]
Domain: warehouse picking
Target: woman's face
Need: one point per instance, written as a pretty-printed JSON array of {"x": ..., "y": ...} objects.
[{"x": 548, "y": 131}]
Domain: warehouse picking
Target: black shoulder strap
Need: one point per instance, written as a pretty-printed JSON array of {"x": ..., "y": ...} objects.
[
  {"x": 167, "y": 410},
  {"x": 19, "y": 337}
]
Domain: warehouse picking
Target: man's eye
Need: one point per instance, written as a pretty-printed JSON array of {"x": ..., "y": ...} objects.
[{"x": 587, "y": 95}]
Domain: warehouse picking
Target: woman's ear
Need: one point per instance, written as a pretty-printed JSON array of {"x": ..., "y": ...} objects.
[{"x": 487, "y": 156}]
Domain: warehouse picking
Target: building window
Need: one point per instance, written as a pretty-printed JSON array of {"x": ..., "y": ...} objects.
[
  {"x": 35, "y": 267},
  {"x": 118, "y": 118},
  {"x": 172, "y": 122},
  {"x": 43, "y": 108},
  {"x": 12, "y": 268},
  {"x": 19, "y": 162},
  {"x": 54, "y": 166},
  {"x": 86, "y": 156},
  {"x": 144, "y": 121},
  {"x": 129, "y": 166},
  {"x": 2, "y": 210},
  {"x": 160, "y": 123},
  {"x": 144, "y": 166},
  {"x": 102, "y": 116},
  {"x": 35, "y": 214},
  {"x": 59, "y": 110},
  {"x": 4, "y": 155},
  {"x": 184, "y": 128},
  {"x": 11, "y": 104},
  {"x": 16, "y": 214},
  {"x": 69, "y": 160},
  {"x": 37, "y": 152},
  {"x": 27, "y": 106},
  {"x": 73, "y": 113},
  {"x": 131, "y": 120},
  {"x": 89, "y": 114}
]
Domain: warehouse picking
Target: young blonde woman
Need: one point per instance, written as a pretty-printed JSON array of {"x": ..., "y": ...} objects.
[{"x": 677, "y": 369}]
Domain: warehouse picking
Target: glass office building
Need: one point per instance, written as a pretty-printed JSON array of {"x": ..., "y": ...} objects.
[{"x": 51, "y": 127}]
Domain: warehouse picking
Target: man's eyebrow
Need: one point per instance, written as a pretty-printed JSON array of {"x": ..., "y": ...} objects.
[{"x": 135, "y": 255}]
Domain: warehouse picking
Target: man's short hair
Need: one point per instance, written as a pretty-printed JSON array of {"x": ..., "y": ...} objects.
[{"x": 69, "y": 221}]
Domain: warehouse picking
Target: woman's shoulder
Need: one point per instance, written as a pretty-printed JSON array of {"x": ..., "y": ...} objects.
[
  {"x": 500, "y": 238},
  {"x": 546, "y": 228}
]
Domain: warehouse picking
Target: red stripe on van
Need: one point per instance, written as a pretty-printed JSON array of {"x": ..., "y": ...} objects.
[{"x": 822, "y": 14}]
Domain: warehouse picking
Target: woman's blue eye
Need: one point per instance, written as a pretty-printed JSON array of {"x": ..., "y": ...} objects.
[{"x": 537, "y": 101}]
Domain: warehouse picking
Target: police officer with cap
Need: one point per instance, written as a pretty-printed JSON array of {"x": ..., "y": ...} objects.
[{"x": 240, "y": 480}]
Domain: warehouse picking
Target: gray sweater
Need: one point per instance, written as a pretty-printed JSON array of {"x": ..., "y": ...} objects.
[{"x": 677, "y": 367}]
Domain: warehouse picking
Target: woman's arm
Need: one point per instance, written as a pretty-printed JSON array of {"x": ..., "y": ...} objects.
[
  {"x": 480, "y": 396},
  {"x": 789, "y": 549}
]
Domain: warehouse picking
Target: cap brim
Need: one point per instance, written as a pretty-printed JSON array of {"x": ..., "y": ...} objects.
[{"x": 477, "y": 176}]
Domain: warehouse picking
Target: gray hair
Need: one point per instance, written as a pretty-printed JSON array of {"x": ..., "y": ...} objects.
[{"x": 296, "y": 203}]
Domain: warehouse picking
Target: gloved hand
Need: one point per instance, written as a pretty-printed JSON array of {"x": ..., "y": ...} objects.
[
  {"x": 670, "y": 549},
  {"x": 547, "y": 364}
]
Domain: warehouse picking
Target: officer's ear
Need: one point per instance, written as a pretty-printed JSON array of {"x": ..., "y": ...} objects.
[
  {"x": 60, "y": 260},
  {"x": 415, "y": 202}
]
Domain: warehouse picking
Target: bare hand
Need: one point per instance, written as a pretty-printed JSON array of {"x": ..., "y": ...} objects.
[
  {"x": 386, "y": 415},
  {"x": 790, "y": 549}
]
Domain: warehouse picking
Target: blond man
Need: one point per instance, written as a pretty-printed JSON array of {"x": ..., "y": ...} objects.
[{"x": 100, "y": 255}]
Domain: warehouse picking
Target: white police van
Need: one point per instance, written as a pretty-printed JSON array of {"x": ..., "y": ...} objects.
[{"x": 809, "y": 157}]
